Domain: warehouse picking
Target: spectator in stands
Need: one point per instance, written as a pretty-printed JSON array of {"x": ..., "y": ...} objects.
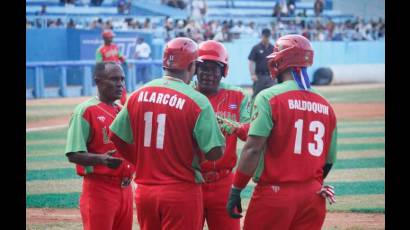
[
  {"x": 124, "y": 6},
  {"x": 158, "y": 31},
  {"x": 223, "y": 34},
  {"x": 85, "y": 2},
  {"x": 283, "y": 8},
  {"x": 169, "y": 28},
  {"x": 291, "y": 8},
  {"x": 208, "y": 31},
  {"x": 199, "y": 10},
  {"x": 100, "y": 23},
  {"x": 318, "y": 7},
  {"x": 238, "y": 29},
  {"x": 147, "y": 24},
  {"x": 251, "y": 30},
  {"x": 70, "y": 3},
  {"x": 258, "y": 67},
  {"x": 28, "y": 24},
  {"x": 230, "y": 3},
  {"x": 96, "y": 2},
  {"x": 330, "y": 27},
  {"x": 42, "y": 11},
  {"x": 59, "y": 22},
  {"x": 276, "y": 10},
  {"x": 71, "y": 24},
  {"x": 142, "y": 52},
  {"x": 381, "y": 30},
  {"x": 179, "y": 30},
  {"x": 177, "y": 4},
  {"x": 108, "y": 25}
]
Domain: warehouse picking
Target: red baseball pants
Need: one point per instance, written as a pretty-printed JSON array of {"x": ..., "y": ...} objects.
[
  {"x": 167, "y": 207},
  {"x": 215, "y": 198},
  {"x": 104, "y": 205},
  {"x": 286, "y": 206}
]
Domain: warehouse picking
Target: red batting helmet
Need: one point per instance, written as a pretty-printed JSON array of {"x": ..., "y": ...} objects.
[
  {"x": 179, "y": 53},
  {"x": 214, "y": 51},
  {"x": 290, "y": 51},
  {"x": 107, "y": 34}
]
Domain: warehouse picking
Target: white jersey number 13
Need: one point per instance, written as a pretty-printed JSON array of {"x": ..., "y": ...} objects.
[
  {"x": 318, "y": 128},
  {"x": 160, "y": 131}
]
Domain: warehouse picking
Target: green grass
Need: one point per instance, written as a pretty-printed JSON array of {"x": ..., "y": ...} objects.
[
  {"x": 60, "y": 157},
  {"x": 356, "y": 95},
  {"x": 360, "y": 134},
  {"x": 359, "y": 163},
  {"x": 368, "y": 210},
  {"x": 359, "y": 146},
  {"x": 55, "y": 134},
  {"x": 51, "y": 174},
  {"x": 43, "y": 112},
  {"x": 61, "y": 200}
]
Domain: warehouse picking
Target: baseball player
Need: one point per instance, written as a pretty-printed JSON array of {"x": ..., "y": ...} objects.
[
  {"x": 106, "y": 198},
  {"x": 290, "y": 148},
  {"x": 163, "y": 128},
  {"x": 109, "y": 52},
  {"x": 228, "y": 102}
]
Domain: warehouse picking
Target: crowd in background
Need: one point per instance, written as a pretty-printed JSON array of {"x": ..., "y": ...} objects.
[
  {"x": 226, "y": 30},
  {"x": 199, "y": 28}
]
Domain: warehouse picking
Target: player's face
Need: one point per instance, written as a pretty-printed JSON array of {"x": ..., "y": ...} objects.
[
  {"x": 108, "y": 40},
  {"x": 111, "y": 86},
  {"x": 209, "y": 74}
]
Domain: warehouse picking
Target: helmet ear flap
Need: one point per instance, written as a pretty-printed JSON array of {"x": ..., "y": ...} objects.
[{"x": 225, "y": 71}]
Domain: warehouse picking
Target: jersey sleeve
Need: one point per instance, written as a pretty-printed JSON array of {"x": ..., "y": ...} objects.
[
  {"x": 261, "y": 118},
  {"x": 331, "y": 157},
  {"x": 245, "y": 109},
  {"x": 206, "y": 130},
  {"x": 77, "y": 135},
  {"x": 121, "y": 126},
  {"x": 98, "y": 55}
]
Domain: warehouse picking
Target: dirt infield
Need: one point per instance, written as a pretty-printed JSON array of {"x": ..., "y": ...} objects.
[
  {"x": 353, "y": 111},
  {"x": 338, "y": 220}
]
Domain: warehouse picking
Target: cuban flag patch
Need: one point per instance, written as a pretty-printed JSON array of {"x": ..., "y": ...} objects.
[{"x": 233, "y": 106}]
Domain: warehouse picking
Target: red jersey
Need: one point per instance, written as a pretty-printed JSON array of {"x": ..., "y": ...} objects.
[
  {"x": 230, "y": 102},
  {"x": 301, "y": 130},
  {"x": 88, "y": 132},
  {"x": 109, "y": 53},
  {"x": 169, "y": 124}
]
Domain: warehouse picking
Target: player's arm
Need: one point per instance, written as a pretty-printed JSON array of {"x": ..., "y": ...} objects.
[
  {"x": 214, "y": 154},
  {"x": 76, "y": 148},
  {"x": 121, "y": 57},
  {"x": 98, "y": 55},
  {"x": 121, "y": 135},
  {"x": 331, "y": 157},
  {"x": 260, "y": 128},
  {"x": 92, "y": 159},
  {"x": 251, "y": 66},
  {"x": 229, "y": 127},
  {"x": 207, "y": 134}
]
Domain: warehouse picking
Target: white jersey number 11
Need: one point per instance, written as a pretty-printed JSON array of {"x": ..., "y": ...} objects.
[{"x": 160, "y": 131}]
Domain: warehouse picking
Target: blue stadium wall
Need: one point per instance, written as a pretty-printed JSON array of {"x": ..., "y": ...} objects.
[{"x": 69, "y": 44}]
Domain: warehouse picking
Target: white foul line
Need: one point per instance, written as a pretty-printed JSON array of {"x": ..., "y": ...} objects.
[{"x": 45, "y": 128}]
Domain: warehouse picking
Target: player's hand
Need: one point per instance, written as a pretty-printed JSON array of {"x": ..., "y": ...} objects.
[
  {"x": 328, "y": 192},
  {"x": 109, "y": 161},
  {"x": 227, "y": 125},
  {"x": 254, "y": 77},
  {"x": 234, "y": 201}
]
